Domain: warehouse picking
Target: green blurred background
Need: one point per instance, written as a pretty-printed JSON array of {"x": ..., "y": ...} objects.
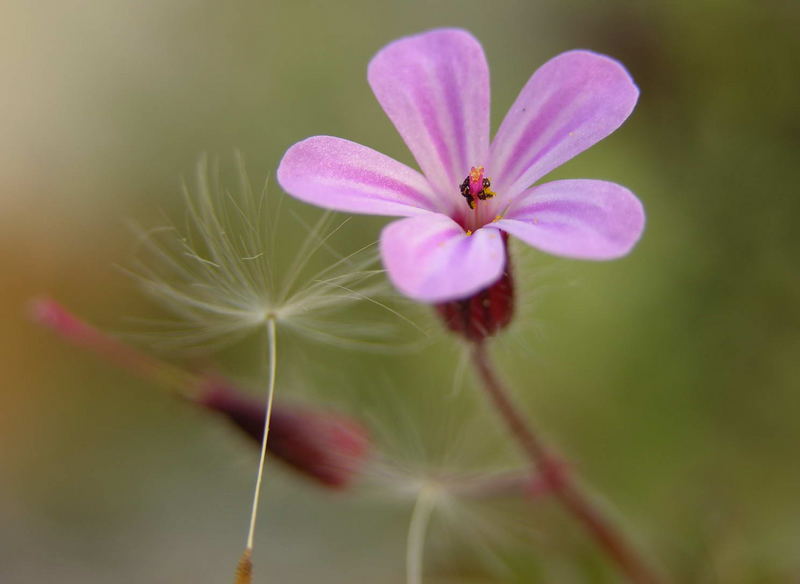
[{"x": 669, "y": 378}]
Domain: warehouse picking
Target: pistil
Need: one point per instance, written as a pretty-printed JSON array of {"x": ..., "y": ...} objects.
[{"x": 476, "y": 187}]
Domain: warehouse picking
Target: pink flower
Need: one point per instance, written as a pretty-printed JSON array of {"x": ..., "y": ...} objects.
[{"x": 435, "y": 88}]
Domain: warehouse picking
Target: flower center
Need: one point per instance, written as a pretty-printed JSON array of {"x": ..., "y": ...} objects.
[{"x": 476, "y": 187}]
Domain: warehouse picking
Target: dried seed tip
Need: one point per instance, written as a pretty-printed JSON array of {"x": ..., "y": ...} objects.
[
  {"x": 485, "y": 313},
  {"x": 326, "y": 447},
  {"x": 244, "y": 569}
]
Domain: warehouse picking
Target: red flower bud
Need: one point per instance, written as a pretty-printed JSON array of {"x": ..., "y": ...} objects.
[{"x": 325, "y": 446}]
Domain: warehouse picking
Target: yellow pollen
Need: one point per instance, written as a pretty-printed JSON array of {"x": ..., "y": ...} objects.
[
  {"x": 469, "y": 231},
  {"x": 497, "y": 218}
]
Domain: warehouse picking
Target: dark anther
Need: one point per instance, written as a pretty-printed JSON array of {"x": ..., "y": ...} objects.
[
  {"x": 486, "y": 192},
  {"x": 483, "y": 194},
  {"x": 467, "y": 194}
]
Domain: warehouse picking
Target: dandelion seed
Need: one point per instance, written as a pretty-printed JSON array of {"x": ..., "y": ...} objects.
[
  {"x": 471, "y": 504},
  {"x": 221, "y": 277}
]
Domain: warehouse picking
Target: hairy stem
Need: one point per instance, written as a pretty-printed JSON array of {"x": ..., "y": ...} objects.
[{"x": 562, "y": 485}]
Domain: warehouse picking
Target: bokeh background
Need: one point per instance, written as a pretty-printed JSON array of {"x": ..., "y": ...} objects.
[{"x": 669, "y": 378}]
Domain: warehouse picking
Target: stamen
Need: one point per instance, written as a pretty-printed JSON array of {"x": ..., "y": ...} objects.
[
  {"x": 486, "y": 192},
  {"x": 467, "y": 194}
]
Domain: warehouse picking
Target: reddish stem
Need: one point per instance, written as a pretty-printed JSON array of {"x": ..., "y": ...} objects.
[
  {"x": 562, "y": 484},
  {"x": 54, "y": 316},
  {"x": 510, "y": 484}
]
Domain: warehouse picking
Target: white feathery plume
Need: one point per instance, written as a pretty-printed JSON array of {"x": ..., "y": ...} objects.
[{"x": 225, "y": 273}]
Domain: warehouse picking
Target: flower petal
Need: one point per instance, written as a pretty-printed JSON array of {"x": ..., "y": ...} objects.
[
  {"x": 431, "y": 259},
  {"x": 345, "y": 176},
  {"x": 587, "y": 219},
  {"x": 570, "y": 103},
  {"x": 434, "y": 87}
]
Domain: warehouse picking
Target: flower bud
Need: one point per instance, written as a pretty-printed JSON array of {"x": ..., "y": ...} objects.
[
  {"x": 485, "y": 313},
  {"x": 325, "y": 446}
]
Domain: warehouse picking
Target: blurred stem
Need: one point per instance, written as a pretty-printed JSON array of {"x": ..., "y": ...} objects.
[
  {"x": 563, "y": 486},
  {"x": 272, "y": 349},
  {"x": 511, "y": 484},
  {"x": 415, "y": 544},
  {"x": 53, "y": 315}
]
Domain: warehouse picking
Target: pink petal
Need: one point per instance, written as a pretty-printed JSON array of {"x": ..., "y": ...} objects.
[
  {"x": 570, "y": 103},
  {"x": 434, "y": 87},
  {"x": 587, "y": 219},
  {"x": 431, "y": 259},
  {"x": 345, "y": 176}
]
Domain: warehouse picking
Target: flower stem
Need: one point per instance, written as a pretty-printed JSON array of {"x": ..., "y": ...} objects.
[
  {"x": 54, "y": 316},
  {"x": 511, "y": 484},
  {"x": 244, "y": 570},
  {"x": 415, "y": 543},
  {"x": 563, "y": 486}
]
